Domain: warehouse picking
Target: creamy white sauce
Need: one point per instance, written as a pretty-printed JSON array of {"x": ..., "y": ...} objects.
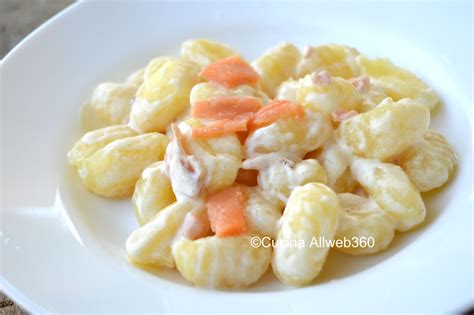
[{"x": 185, "y": 171}]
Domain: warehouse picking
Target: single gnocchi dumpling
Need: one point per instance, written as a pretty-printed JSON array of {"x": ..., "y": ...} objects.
[
  {"x": 110, "y": 105},
  {"x": 207, "y": 90},
  {"x": 164, "y": 94},
  {"x": 204, "y": 52},
  {"x": 283, "y": 176},
  {"x": 201, "y": 165},
  {"x": 291, "y": 137},
  {"x": 430, "y": 162},
  {"x": 277, "y": 65},
  {"x": 262, "y": 214},
  {"x": 113, "y": 170},
  {"x": 311, "y": 214},
  {"x": 386, "y": 131},
  {"x": 95, "y": 140},
  {"x": 151, "y": 243},
  {"x": 319, "y": 91},
  {"x": 338, "y": 60},
  {"x": 393, "y": 191},
  {"x": 398, "y": 83},
  {"x": 152, "y": 193},
  {"x": 228, "y": 262},
  {"x": 360, "y": 219}
]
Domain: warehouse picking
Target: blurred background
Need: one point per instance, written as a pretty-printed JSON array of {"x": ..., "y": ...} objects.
[{"x": 18, "y": 18}]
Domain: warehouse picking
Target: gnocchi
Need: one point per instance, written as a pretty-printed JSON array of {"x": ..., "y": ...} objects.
[
  {"x": 110, "y": 105},
  {"x": 152, "y": 192},
  {"x": 283, "y": 176},
  {"x": 218, "y": 158},
  {"x": 392, "y": 190},
  {"x": 289, "y": 136},
  {"x": 206, "y": 90},
  {"x": 277, "y": 65},
  {"x": 95, "y": 140},
  {"x": 397, "y": 82},
  {"x": 221, "y": 262},
  {"x": 262, "y": 213},
  {"x": 385, "y": 131},
  {"x": 430, "y": 162},
  {"x": 204, "y": 52},
  {"x": 151, "y": 243},
  {"x": 312, "y": 211},
  {"x": 338, "y": 60},
  {"x": 361, "y": 218},
  {"x": 232, "y": 167},
  {"x": 323, "y": 93},
  {"x": 164, "y": 94},
  {"x": 113, "y": 170}
]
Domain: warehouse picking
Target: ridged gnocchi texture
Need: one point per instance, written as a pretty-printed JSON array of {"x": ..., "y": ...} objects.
[
  {"x": 164, "y": 94},
  {"x": 229, "y": 262},
  {"x": 220, "y": 158},
  {"x": 362, "y": 218},
  {"x": 323, "y": 93},
  {"x": 262, "y": 213},
  {"x": 338, "y": 60},
  {"x": 312, "y": 212},
  {"x": 393, "y": 191},
  {"x": 207, "y": 90},
  {"x": 430, "y": 162},
  {"x": 95, "y": 140},
  {"x": 113, "y": 170},
  {"x": 282, "y": 177},
  {"x": 151, "y": 243},
  {"x": 204, "y": 52},
  {"x": 289, "y": 136},
  {"x": 398, "y": 83},
  {"x": 385, "y": 131},
  {"x": 152, "y": 193},
  {"x": 110, "y": 105},
  {"x": 277, "y": 65}
]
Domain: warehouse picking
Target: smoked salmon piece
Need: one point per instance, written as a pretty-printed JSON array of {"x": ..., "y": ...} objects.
[
  {"x": 274, "y": 111},
  {"x": 247, "y": 177},
  {"x": 242, "y": 135},
  {"x": 226, "y": 211},
  {"x": 221, "y": 127},
  {"x": 226, "y": 107},
  {"x": 230, "y": 72}
]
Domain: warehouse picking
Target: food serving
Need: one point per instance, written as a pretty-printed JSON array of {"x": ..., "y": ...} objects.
[{"x": 215, "y": 152}]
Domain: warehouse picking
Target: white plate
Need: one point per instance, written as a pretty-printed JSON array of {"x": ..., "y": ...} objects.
[{"x": 63, "y": 248}]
